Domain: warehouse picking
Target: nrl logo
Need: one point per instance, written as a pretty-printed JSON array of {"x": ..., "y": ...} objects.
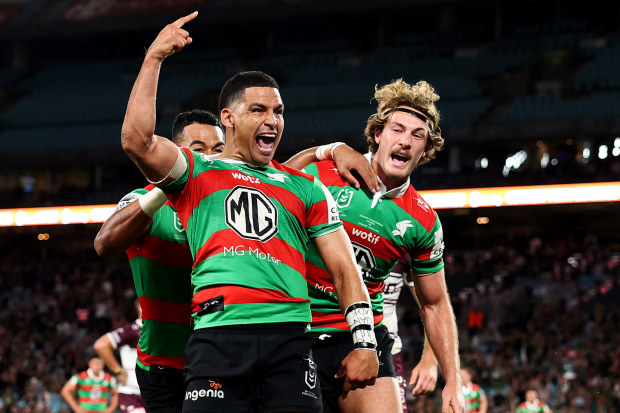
[{"x": 343, "y": 199}]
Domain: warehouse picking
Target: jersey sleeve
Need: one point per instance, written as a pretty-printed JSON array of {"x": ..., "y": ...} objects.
[
  {"x": 323, "y": 216},
  {"x": 178, "y": 184},
  {"x": 123, "y": 335},
  {"x": 73, "y": 380},
  {"x": 427, "y": 256},
  {"x": 130, "y": 198}
]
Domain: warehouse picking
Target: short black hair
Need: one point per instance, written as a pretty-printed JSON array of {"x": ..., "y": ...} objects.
[
  {"x": 200, "y": 116},
  {"x": 235, "y": 87}
]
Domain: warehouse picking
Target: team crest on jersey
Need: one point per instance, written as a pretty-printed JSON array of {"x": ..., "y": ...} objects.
[
  {"x": 251, "y": 214},
  {"x": 401, "y": 228},
  {"x": 364, "y": 258},
  {"x": 344, "y": 197}
]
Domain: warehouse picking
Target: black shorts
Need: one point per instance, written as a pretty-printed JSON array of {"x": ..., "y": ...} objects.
[
  {"x": 162, "y": 388},
  {"x": 330, "y": 351},
  {"x": 263, "y": 367}
]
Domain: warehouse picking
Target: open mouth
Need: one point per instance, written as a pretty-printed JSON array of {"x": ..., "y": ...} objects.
[
  {"x": 399, "y": 159},
  {"x": 265, "y": 142}
]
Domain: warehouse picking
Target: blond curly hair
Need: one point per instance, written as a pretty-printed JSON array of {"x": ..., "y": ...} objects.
[{"x": 421, "y": 97}]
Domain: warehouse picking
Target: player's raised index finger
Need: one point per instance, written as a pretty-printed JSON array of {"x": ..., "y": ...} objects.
[{"x": 180, "y": 22}]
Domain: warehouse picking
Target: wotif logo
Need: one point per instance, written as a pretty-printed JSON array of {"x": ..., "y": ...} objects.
[{"x": 365, "y": 235}]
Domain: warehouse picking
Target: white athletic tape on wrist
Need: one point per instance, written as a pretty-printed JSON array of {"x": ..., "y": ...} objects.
[
  {"x": 179, "y": 167},
  {"x": 361, "y": 322},
  {"x": 152, "y": 201},
  {"x": 327, "y": 151}
]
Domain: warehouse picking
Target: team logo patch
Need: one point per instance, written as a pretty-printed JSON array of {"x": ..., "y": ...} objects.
[
  {"x": 364, "y": 258},
  {"x": 251, "y": 214},
  {"x": 344, "y": 197},
  {"x": 310, "y": 373},
  {"x": 401, "y": 228}
]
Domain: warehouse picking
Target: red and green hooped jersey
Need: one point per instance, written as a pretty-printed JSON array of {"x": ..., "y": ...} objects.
[
  {"x": 535, "y": 407},
  {"x": 93, "y": 392},
  {"x": 161, "y": 264},
  {"x": 380, "y": 236},
  {"x": 472, "y": 395},
  {"x": 249, "y": 229}
]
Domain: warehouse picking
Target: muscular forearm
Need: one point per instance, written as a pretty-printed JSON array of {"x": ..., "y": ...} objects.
[
  {"x": 302, "y": 159},
  {"x": 139, "y": 122},
  {"x": 121, "y": 230},
  {"x": 103, "y": 347},
  {"x": 337, "y": 255},
  {"x": 441, "y": 331},
  {"x": 154, "y": 155},
  {"x": 137, "y": 135}
]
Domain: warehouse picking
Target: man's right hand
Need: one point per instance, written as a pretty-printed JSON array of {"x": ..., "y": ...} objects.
[
  {"x": 171, "y": 39},
  {"x": 359, "y": 369},
  {"x": 349, "y": 160}
]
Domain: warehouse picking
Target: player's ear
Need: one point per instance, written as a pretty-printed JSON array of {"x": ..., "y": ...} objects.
[
  {"x": 226, "y": 116},
  {"x": 378, "y": 136}
]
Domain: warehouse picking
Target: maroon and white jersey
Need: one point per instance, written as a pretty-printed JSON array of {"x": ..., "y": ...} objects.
[
  {"x": 125, "y": 339},
  {"x": 399, "y": 277}
]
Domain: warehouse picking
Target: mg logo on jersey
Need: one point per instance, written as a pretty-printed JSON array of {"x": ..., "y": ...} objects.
[
  {"x": 364, "y": 258},
  {"x": 251, "y": 214},
  {"x": 344, "y": 197}
]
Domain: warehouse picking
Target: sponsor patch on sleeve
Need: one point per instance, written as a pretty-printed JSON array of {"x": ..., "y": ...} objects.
[{"x": 127, "y": 199}]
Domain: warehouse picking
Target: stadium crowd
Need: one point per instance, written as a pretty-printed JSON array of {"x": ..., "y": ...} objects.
[{"x": 534, "y": 312}]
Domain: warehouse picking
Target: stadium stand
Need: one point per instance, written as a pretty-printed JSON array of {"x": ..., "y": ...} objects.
[{"x": 546, "y": 281}]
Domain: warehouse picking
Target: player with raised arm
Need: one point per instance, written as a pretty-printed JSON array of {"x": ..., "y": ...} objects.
[{"x": 249, "y": 222}]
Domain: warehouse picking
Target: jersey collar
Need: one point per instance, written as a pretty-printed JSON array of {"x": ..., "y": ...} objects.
[
  {"x": 92, "y": 375},
  {"x": 383, "y": 191}
]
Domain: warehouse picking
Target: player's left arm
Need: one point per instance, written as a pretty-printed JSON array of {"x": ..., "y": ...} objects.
[
  {"x": 105, "y": 349},
  {"x": 359, "y": 367},
  {"x": 113, "y": 401},
  {"x": 440, "y": 326},
  {"x": 350, "y": 163}
]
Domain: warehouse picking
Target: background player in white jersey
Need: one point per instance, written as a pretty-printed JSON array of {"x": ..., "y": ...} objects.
[{"x": 125, "y": 340}]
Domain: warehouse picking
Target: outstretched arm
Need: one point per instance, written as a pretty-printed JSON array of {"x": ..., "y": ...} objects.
[
  {"x": 351, "y": 164},
  {"x": 360, "y": 367},
  {"x": 440, "y": 327},
  {"x": 154, "y": 155}
]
